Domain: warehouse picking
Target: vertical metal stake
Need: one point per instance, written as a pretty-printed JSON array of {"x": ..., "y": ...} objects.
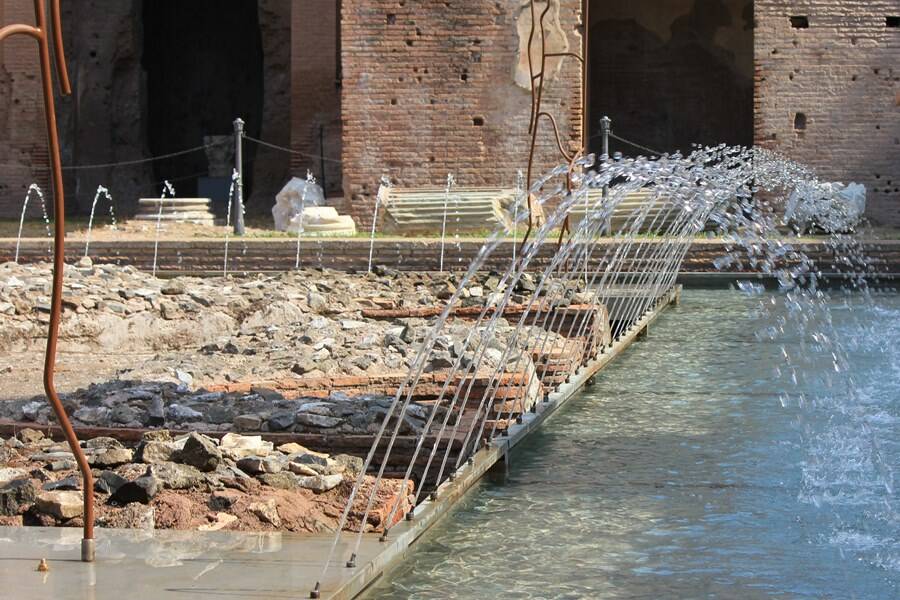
[
  {"x": 605, "y": 129},
  {"x": 238, "y": 200}
]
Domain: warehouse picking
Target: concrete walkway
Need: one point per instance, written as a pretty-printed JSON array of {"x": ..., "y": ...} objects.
[{"x": 158, "y": 565}]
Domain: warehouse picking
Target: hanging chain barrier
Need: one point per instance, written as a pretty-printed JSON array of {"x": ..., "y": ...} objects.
[
  {"x": 635, "y": 144},
  {"x": 291, "y": 150}
]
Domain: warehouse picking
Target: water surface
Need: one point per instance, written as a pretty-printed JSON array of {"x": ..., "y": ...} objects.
[{"x": 686, "y": 473}]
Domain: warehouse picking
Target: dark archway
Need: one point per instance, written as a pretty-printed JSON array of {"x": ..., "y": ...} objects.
[
  {"x": 671, "y": 74},
  {"x": 204, "y": 67}
]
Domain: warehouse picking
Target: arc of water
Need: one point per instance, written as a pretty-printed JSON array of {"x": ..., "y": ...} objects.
[
  {"x": 495, "y": 315},
  {"x": 101, "y": 191},
  {"x": 167, "y": 189},
  {"x": 649, "y": 266},
  {"x": 385, "y": 191},
  {"x": 416, "y": 370},
  {"x": 310, "y": 180},
  {"x": 561, "y": 287},
  {"x": 558, "y": 291},
  {"x": 449, "y": 186},
  {"x": 476, "y": 360},
  {"x": 517, "y": 202},
  {"x": 36, "y": 190},
  {"x": 514, "y": 272},
  {"x": 235, "y": 178}
]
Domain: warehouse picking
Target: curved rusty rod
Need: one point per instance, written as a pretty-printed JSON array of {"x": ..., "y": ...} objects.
[
  {"x": 40, "y": 33},
  {"x": 537, "y": 93}
]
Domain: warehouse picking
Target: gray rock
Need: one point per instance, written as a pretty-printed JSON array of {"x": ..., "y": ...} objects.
[
  {"x": 441, "y": 360},
  {"x": 61, "y": 465},
  {"x": 173, "y": 288},
  {"x": 281, "y": 420},
  {"x": 320, "y": 483},
  {"x": 300, "y": 469},
  {"x": 8, "y": 474},
  {"x": 63, "y": 505},
  {"x": 108, "y": 482},
  {"x": 526, "y": 284},
  {"x": 224, "y": 499},
  {"x": 156, "y": 412},
  {"x": 282, "y": 480},
  {"x": 30, "y": 436},
  {"x": 316, "y": 302},
  {"x": 313, "y": 420},
  {"x": 175, "y": 476},
  {"x": 267, "y": 512},
  {"x": 351, "y": 464},
  {"x": 183, "y": 414},
  {"x": 363, "y": 362},
  {"x": 201, "y": 452},
  {"x": 303, "y": 366},
  {"x": 125, "y": 414},
  {"x": 156, "y": 452},
  {"x": 92, "y": 415},
  {"x": 239, "y": 446},
  {"x": 69, "y": 483},
  {"x": 256, "y": 465},
  {"x": 142, "y": 490},
  {"x": 218, "y": 414},
  {"x": 16, "y": 497},
  {"x": 112, "y": 457},
  {"x": 247, "y": 422},
  {"x": 160, "y": 435}
]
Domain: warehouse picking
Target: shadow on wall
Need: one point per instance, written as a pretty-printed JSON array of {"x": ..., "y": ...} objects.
[
  {"x": 672, "y": 74},
  {"x": 204, "y": 67}
]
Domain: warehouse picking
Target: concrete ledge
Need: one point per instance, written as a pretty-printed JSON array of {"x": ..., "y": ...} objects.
[{"x": 254, "y": 255}]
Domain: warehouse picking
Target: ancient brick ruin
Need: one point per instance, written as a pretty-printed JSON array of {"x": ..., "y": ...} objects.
[{"x": 414, "y": 90}]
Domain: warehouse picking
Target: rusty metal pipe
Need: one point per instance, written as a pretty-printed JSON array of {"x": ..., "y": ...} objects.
[
  {"x": 537, "y": 93},
  {"x": 40, "y": 33},
  {"x": 20, "y": 29}
]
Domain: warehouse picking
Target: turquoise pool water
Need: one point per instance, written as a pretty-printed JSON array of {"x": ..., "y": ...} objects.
[{"x": 686, "y": 473}]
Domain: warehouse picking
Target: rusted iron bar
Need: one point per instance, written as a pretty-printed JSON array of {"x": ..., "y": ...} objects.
[
  {"x": 41, "y": 33},
  {"x": 537, "y": 93}
]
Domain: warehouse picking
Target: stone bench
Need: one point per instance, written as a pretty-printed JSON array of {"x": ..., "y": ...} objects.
[
  {"x": 175, "y": 210},
  {"x": 659, "y": 217},
  {"x": 421, "y": 210}
]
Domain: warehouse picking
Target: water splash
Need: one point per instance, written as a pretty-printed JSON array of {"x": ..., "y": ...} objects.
[
  {"x": 447, "y": 189},
  {"x": 235, "y": 178},
  {"x": 101, "y": 191},
  {"x": 36, "y": 190},
  {"x": 384, "y": 191},
  {"x": 518, "y": 203},
  {"x": 620, "y": 260},
  {"x": 167, "y": 192},
  {"x": 310, "y": 181}
]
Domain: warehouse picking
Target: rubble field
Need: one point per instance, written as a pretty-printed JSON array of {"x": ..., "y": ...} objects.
[{"x": 196, "y": 373}]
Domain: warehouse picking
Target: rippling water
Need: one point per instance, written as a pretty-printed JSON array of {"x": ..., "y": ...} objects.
[{"x": 685, "y": 473}]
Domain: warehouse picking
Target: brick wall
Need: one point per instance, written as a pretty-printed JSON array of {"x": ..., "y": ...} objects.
[
  {"x": 843, "y": 74},
  {"x": 429, "y": 90},
  {"x": 315, "y": 91},
  {"x": 23, "y": 138}
]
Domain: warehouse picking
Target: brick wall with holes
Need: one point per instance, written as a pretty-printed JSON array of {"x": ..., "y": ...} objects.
[
  {"x": 23, "y": 140},
  {"x": 429, "y": 89},
  {"x": 828, "y": 91},
  {"x": 316, "y": 93}
]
